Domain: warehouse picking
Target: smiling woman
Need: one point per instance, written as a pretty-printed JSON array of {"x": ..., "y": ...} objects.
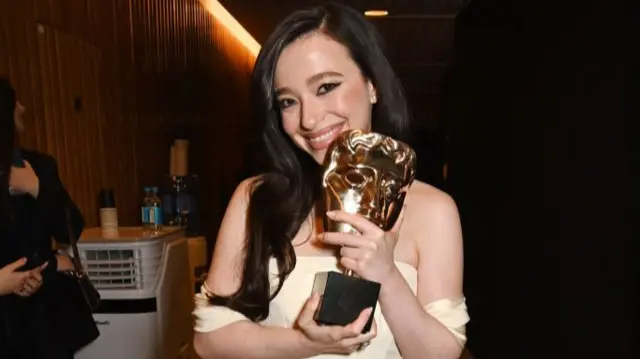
[
  {"x": 321, "y": 72},
  {"x": 321, "y": 92}
]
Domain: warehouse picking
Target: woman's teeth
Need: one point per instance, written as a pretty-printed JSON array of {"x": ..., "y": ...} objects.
[{"x": 325, "y": 140}]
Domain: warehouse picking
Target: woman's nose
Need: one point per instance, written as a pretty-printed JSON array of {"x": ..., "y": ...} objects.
[{"x": 311, "y": 114}]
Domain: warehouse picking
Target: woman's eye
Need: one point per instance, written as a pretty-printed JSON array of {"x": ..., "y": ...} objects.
[
  {"x": 285, "y": 102},
  {"x": 326, "y": 88}
]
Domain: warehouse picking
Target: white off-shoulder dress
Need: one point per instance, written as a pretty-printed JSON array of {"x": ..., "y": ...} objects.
[{"x": 286, "y": 306}]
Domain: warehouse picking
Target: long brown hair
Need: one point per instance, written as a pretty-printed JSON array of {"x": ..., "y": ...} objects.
[
  {"x": 290, "y": 185},
  {"x": 7, "y": 142}
]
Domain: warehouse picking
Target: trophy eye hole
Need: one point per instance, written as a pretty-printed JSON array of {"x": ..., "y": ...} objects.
[
  {"x": 390, "y": 191},
  {"x": 391, "y": 186}
]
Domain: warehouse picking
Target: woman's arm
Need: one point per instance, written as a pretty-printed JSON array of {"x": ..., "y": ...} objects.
[
  {"x": 434, "y": 224},
  {"x": 431, "y": 324},
  {"x": 59, "y": 213},
  {"x": 242, "y": 339},
  {"x": 248, "y": 340}
]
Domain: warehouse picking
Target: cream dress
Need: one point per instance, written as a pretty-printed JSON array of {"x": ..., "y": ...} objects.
[{"x": 286, "y": 306}]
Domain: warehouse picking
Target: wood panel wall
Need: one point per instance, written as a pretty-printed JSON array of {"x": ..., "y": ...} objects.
[{"x": 108, "y": 85}]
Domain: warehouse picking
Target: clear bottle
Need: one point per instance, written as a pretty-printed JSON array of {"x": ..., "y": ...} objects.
[{"x": 155, "y": 209}]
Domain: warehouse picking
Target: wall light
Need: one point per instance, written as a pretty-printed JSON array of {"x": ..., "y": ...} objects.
[
  {"x": 376, "y": 13},
  {"x": 221, "y": 14}
]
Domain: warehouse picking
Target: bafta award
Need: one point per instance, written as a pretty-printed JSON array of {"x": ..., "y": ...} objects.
[{"x": 368, "y": 174}]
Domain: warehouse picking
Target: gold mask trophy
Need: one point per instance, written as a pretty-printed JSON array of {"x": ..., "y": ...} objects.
[{"x": 369, "y": 174}]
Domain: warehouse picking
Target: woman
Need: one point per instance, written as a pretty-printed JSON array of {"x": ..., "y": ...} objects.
[
  {"x": 33, "y": 209},
  {"x": 321, "y": 72},
  {"x": 11, "y": 280}
]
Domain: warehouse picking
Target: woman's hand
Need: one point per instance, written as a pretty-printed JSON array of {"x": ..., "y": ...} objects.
[
  {"x": 10, "y": 279},
  {"x": 32, "y": 282},
  {"x": 333, "y": 339},
  {"x": 369, "y": 254}
]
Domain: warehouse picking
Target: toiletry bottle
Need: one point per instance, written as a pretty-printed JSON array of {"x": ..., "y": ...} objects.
[{"x": 108, "y": 213}]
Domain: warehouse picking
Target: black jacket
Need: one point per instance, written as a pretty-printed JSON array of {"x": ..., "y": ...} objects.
[{"x": 25, "y": 322}]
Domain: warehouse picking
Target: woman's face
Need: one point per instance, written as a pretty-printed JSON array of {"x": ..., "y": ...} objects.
[{"x": 321, "y": 93}]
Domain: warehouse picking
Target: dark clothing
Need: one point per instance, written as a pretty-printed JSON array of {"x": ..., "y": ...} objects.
[{"x": 25, "y": 323}]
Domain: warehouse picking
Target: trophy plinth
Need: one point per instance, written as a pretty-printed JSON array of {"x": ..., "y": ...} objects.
[
  {"x": 368, "y": 174},
  {"x": 343, "y": 298}
]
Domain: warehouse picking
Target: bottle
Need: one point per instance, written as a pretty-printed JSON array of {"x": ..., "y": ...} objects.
[
  {"x": 183, "y": 201},
  {"x": 155, "y": 209},
  {"x": 145, "y": 207},
  {"x": 108, "y": 213}
]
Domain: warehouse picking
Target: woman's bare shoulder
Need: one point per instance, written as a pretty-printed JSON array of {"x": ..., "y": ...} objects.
[
  {"x": 433, "y": 227},
  {"x": 242, "y": 193},
  {"x": 425, "y": 197},
  {"x": 429, "y": 210}
]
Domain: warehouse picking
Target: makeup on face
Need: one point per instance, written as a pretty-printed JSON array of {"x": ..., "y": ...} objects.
[{"x": 321, "y": 93}]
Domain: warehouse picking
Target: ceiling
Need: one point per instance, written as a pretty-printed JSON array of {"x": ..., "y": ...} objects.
[{"x": 419, "y": 36}]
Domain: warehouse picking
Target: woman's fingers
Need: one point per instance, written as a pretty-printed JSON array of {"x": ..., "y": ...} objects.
[
  {"x": 347, "y": 240},
  {"x": 355, "y": 327},
  {"x": 306, "y": 315},
  {"x": 334, "y": 338},
  {"x": 357, "y": 221}
]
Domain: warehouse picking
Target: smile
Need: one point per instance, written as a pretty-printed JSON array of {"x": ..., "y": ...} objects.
[{"x": 322, "y": 139}]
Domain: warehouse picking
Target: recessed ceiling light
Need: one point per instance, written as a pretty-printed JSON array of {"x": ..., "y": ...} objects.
[{"x": 376, "y": 13}]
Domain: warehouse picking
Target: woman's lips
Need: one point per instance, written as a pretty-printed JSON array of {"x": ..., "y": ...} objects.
[{"x": 323, "y": 138}]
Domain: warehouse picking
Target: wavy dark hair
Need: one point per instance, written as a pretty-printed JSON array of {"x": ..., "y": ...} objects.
[
  {"x": 289, "y": 187},
  {"x": 7, "y": 142}
]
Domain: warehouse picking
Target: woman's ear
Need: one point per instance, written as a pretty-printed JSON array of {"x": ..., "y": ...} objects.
[{"x": 373, "y": 94}]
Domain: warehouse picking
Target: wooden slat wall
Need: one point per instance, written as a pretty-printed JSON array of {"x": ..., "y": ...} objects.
[{"x": 109, "y": 84}]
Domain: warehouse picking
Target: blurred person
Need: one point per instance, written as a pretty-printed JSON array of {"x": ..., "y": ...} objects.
[{"x": 33, "y": 209}]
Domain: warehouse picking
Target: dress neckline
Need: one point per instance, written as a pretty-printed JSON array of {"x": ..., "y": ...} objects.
[{"x": 325, "y": 258}]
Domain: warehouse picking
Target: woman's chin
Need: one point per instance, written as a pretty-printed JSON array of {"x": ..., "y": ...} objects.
[{"x": 320, "y": 157}]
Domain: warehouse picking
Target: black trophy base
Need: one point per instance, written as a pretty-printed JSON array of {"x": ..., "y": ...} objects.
[{"x": 343, "y": 298}]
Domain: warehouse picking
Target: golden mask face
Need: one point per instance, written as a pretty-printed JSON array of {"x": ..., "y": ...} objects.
[{"x": 369, "y": 174}]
